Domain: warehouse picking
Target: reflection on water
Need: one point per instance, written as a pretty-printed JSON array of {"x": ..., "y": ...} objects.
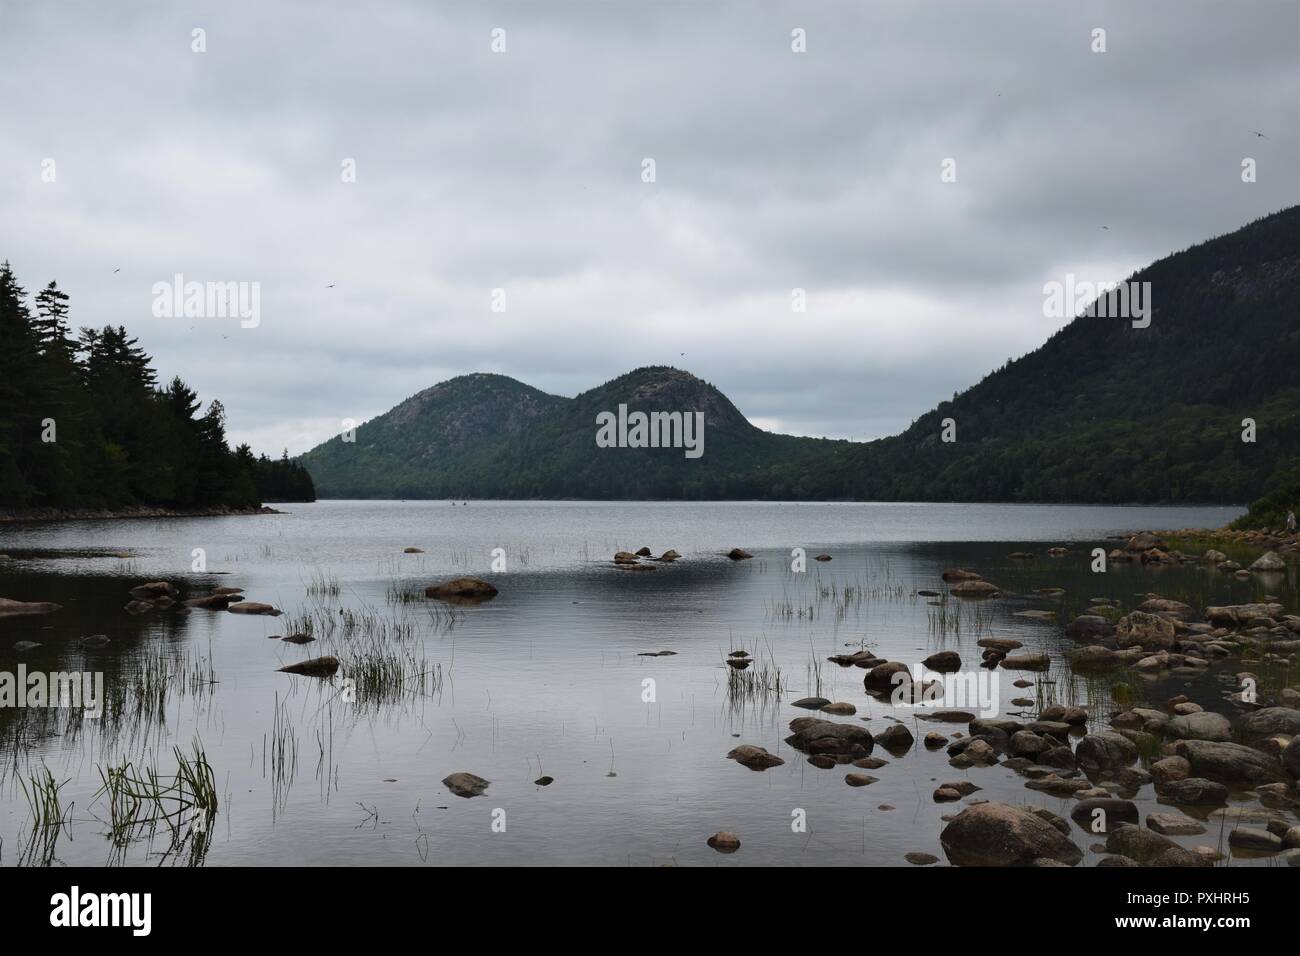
[{"x": 553, "y": 678}]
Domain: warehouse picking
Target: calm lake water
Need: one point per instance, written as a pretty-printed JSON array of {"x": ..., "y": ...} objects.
[{"x": 546, "y": 678}]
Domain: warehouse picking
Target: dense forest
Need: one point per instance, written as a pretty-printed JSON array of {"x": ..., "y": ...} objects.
[
  {"x": 85, "y": 425},
  {"x": 1101, "y": 413}
]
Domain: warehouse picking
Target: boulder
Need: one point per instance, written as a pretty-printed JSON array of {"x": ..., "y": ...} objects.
[
  {"x": 1105, "y": 750},
  {"x": 755, "y": 758},
  {"x": 1204, "y": 725},
  {"x": 895, "y": 737},
  {"x": 253, "y": 607},
  {"x": 461, "y": 589},
  {"x": 958, "y": 574},
  {"x": 738, "y": 554},
  {"x": 815, "y": 736},
  {"x": 314, "y": 667},
  {"x": 213, "y": 602},
  {"x": 1143, "y": 541},
  {"x": 1168, "y": 769},
  {"x": 1028, "y": 661},
  {"x": 724, "y": 841},
  {"x": 1252, "y": 838},
  {"x": 1230, "y": 763},
  {"x": 1269, "y": 561},
  {"x": 10, "y": 607},
  {"x": 999, "y": 834},
  {"x": 881, "y": 677},
  {"x": 153, "y": 591},
  {"x": 1164, "y": 606},
  {"x": 1174, "y": 824},
  {"x": 975, "y": 588},
  {"x": 465, "y": 784},
  {"x": 1291, "y": 758},
  {"x": 1271, "y": 721},
  {"x": 1194, "y": 792},
  {"x": 1140, "y": 629},
  {"x": 1090, "y": 629},
  {"x": 944, "y": 662},
  {"x": 1132, "y": 841}
]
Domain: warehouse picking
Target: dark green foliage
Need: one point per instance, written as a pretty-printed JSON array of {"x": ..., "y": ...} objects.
[
  {"x": 118, "y": 439},
  {"x": 1102, "y": 412},
  {"x": 1281, "y": 497},
  {"x": 282, "y": 480}
]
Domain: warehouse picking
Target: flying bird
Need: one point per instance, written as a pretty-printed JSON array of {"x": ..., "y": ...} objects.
[
  {"x": 330, "y": 286},
  {"x": 1259, "y": 134},
  {"x": 117, "y": 270}
]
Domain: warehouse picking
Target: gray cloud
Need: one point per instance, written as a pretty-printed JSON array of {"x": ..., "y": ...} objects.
[{"x": 522, "y": 171}]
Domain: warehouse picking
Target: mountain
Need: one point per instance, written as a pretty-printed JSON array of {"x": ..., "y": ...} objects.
[
  {"x": 1102, "y": 412},
  {"x": 432, "y": 444}
]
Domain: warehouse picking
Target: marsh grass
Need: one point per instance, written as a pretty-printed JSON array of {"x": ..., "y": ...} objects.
[
  {"x": 48, "y": 816},
  {"x": 141, "y": 800}
]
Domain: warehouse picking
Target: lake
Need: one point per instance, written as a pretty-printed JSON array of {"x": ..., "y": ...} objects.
[{"x": 545, "y": 680}]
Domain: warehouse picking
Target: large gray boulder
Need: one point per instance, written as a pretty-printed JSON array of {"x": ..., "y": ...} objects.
[
  {"x": 1205, "y": 725},
  {"x": 815, "y": 736},
  {"x": 1230, "y": 763},
  {"x": 999, "y": 834},
  {"x": 1105, "y": 750}
]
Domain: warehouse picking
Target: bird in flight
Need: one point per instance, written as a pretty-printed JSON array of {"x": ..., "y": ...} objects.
[
  {"x": 1259, "y": 134},
  {"x": 117, "y": 270},
  {"x": 330, "y": 286}
]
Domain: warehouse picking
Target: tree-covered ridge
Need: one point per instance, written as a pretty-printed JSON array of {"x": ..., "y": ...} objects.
[
  {"x": 84, "y": 423},
  {"x": 1102, "y": 412}
]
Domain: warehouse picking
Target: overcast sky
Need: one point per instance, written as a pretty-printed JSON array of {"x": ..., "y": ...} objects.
[{"x": 522, "y": 170}]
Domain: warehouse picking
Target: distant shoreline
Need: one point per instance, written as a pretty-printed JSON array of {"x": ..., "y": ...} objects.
[{"x": 56, "y": 514}]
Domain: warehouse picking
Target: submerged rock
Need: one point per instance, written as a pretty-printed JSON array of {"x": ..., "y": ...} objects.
[
  {"x": 253, "y": 607},
  {"x": 1269, "y": 561},
  {"x": 738, "y": 554},
  {"x": 975, "y": 588},
  {"x": 153, "y": 591},
  {"x": 724, "y": 841},
  {"x": 1193, "y": 792},
  {"x": 314, "y": 667},
  {"x": 461, "y": 590},
  {"x": 464, "y": 784},
  {"x": 8, "y": 606},
  {"x": 755, "y": 758}
]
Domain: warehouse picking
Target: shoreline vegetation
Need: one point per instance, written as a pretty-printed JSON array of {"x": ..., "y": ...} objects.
[
  {"x": 33, "y": 515},
  {"x": 85, "y": 425}
]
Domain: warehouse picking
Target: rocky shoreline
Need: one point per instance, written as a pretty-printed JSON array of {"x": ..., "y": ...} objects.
[
  {"x": 56, "y": 514},
  {"x": 1268, "y": 539}
]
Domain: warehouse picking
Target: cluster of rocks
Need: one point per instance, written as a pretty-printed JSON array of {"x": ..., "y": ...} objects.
[
  {"x": 969, "y": 584},
  {"x": 160, "y": 595},
  {"x": 1151, "y": 549},
  {"x": 631, "y": 560},
  {"x": 1165, "y": 635}
]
